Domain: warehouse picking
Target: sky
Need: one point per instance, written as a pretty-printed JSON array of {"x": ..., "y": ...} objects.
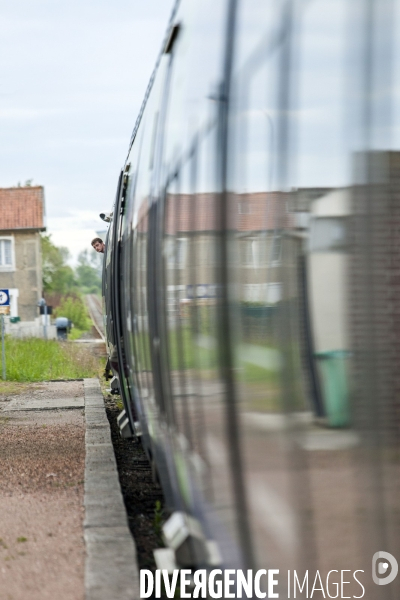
[{"x": 72, "y": 79}]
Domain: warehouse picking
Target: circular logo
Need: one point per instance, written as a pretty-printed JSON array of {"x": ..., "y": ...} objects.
[
  {"x": 3, "y": 297},
  {"x": 380, "y": 568}
]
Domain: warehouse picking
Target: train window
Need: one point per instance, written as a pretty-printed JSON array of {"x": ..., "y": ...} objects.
[
  {"x": 139, "y": 250},
  {"x": 296, "y": 124},
  {"x": 392, "y": 115},
  {"x": 190, "y": 233},
  {"x": 195, "y": 75},
  {"x": 130, "y": 275},
  {"x": 177, "y": 220},
  {"x": 191, "y": 282},
  {"x": 269, "y": 379}
]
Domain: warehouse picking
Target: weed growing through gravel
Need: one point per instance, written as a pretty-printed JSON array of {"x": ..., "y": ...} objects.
[
  {"x": 33, "y": 359},
  {"x": 158, "y": 520},
  {"x": 12, "y": 387}
]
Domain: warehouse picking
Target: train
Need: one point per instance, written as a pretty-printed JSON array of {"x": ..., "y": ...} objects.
[{"x": 250, "y": 288}]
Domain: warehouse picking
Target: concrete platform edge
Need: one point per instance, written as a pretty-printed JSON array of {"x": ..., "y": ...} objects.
[{"x": 111, "y": 569}]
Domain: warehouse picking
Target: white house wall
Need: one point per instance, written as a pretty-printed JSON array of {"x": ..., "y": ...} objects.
[{"x": 328, "y": 298}]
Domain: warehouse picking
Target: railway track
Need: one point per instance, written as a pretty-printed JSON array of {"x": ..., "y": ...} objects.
[{"x": 96, "y": 314}]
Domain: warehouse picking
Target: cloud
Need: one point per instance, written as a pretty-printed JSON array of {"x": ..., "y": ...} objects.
[
  {"x": 22, "y": 114},
  {"x": 75, "y": 230},
  {"x": 75, "y": 240},
  {"x": 82, "y": 219},
  {"x": 72, "y": 79}
]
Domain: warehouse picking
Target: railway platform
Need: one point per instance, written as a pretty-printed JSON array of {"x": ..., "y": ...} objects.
[
  {"x": 111, "y": 568},
  {"x": 63, "y": 523}
]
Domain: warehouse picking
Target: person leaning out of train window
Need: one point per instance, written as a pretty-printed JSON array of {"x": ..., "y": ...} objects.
[{"x": 98, "y": 245}]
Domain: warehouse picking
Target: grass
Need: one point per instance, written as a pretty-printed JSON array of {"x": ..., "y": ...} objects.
[
  {"x": 34, "y": 359},
  {"x": 262, "y": 387},
  {"x": 158, "y": 519},
  {"x": 75, "y": 333},
  {"x": 8, "y": 388},
  {"x": 74, "y": 308}
]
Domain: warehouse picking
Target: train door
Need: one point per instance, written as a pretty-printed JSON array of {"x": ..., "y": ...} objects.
[
  {"x": 117, "y": 292},
  {"x": 195, "y": 383}
]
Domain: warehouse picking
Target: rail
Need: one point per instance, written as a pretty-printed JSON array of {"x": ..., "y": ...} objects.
[{"x": 95, "y": 312}]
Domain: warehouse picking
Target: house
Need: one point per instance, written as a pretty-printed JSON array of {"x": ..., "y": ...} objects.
[
  {"x": 255, "y": 221},
  {"x": 192, "y": 225},
  {"x": 22, "y": 211}
]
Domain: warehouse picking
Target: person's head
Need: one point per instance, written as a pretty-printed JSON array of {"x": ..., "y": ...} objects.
[{"x": 98, "y": 245}]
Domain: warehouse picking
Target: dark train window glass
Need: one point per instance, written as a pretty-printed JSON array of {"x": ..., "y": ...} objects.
[
  {"x": 191, "y": 238},
  {"x": 140, "y": 223},
  {"x": 130, "y": 274},
  {"x": 286, "y": 133},
  {"x": 300, "y": 125},
  {"x": 393, "y": 115},
  {"x": 196, "y": 74}
]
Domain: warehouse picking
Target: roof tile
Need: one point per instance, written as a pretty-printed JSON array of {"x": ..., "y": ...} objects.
[{"x": 22, "y": 208}]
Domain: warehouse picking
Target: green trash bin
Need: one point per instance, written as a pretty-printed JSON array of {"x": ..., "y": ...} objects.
[{"x": 333, "y": 366}]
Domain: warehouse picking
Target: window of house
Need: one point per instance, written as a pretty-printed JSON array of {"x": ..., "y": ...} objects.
[
  {"x": 169, "y": 252},
  {"x": 207, "y": 253},
  {"x": 251, "y": 250},
  {"x": 276, "y": 250},
  {"x": 181, "y": 252},
  {"x": 6, "y": 253}
]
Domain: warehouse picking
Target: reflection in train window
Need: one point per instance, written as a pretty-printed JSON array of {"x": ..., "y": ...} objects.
[
  {"x": 254, "y": 252},
  {"x": 329, "y": 234},
  {"x": 181, "y": 246},
  {"x": 276, "y": 250}
]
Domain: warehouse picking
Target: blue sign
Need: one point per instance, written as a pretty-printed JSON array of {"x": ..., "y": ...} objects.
[{"x": 4, "y": 297}]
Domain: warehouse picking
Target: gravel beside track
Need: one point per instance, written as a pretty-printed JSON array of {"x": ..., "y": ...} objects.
[
  {"x": 139, "y": 492},
  {"x": 42, "y": 457}
]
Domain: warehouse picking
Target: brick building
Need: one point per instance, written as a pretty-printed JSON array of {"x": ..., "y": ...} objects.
[
  {"x": 255, "y": 223},
  {"x": 22, "y": 212}
]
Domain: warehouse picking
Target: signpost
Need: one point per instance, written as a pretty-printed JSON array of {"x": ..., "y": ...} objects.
[
  {"x": 43, "y": 305},
  {"x": 4, "y": 310}
]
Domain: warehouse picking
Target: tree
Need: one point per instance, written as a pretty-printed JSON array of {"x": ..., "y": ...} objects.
[
  {"x": 58, "y": 277},
  {"x": 88, "y": 272},
  {"x": 75, "y": 310}
]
